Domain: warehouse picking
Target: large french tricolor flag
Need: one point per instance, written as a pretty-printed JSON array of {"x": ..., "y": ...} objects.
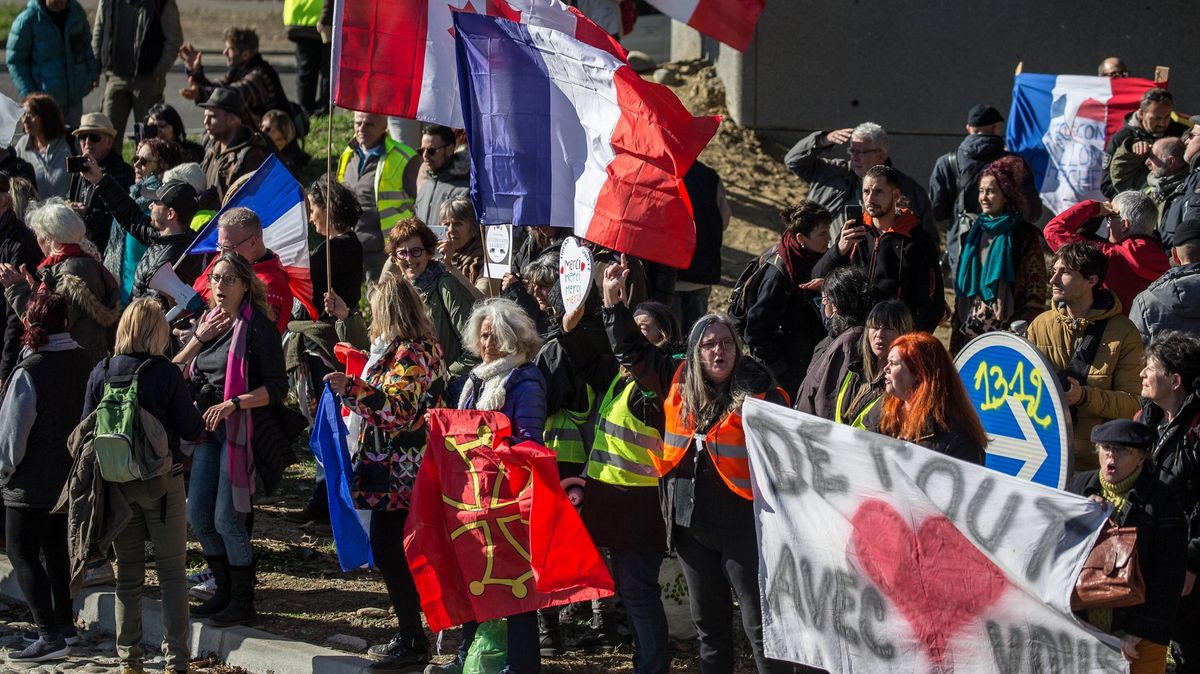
[
  {"x": 728, "y": 21},
  {"x": 1061, "y": 124},
  {"x": 278, "y": 200},
  {"x": 561, "y": 133},
  {"x": 396, "y": 57}
]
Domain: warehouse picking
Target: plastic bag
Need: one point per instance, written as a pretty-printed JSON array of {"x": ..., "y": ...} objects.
[{"x": 489, "y": 650}]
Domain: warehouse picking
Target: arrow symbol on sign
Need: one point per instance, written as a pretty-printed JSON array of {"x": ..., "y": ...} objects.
[{"x": 1028, "y": 448}]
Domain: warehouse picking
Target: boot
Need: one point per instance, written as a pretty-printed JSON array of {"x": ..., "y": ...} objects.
[
  {"x": 219, "y": 565},
  {"x": 550, "y": 641},
  {"x": 240, "y": 610},
  {"x": 601, "y": 633}
]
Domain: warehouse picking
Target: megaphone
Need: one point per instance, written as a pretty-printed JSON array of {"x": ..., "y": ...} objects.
[{"x": 167, "y": 282}]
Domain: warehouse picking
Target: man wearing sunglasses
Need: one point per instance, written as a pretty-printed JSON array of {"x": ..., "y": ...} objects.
[
  {"x": 445, "y": 174},
  {"x": 97, "y": 139}
]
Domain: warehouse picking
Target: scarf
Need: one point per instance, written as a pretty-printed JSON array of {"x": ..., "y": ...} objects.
[
  {"x": 65, "y": 252},
  {"x": 797, "y": 260},
  {"x": 239, "y": 426},
  {"x": 1116, "y": 494},
  {"x": 490, "y": 378},
  {"x": 469, "y": 259},
  {"x": 979, "y": 278}
]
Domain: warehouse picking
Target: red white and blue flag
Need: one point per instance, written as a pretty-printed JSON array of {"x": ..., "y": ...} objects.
[
  {"x": 396, "y": 57},
  {"x": 1061, "y": 124},
  {"x": 562, "y": 133},
  {"x": 728, "y": 21}
]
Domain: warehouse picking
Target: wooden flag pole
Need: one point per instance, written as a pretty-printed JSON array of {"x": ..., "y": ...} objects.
[{"x": 329, "y": 197}]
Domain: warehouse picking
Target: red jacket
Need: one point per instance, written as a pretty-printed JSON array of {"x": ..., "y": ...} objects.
[
  {"x": 270, "y": 271},
  {"x": 1133, "y": 264}
]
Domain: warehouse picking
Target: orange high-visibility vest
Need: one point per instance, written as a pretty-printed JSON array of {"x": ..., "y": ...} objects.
[{"x": 725, "y": 442}]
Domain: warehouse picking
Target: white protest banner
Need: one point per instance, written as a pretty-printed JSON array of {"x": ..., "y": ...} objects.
[
  {"x": 498, "y": 243},
  {"x": 876, "y": 555},
  {"x": 574, "y": 273}
]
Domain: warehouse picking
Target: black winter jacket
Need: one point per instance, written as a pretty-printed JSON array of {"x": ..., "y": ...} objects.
[
  {"x": 1177, "y": 460},
  {"x": 1161, "y": 541},
  {"x": 972, "y": 156},
  {"x": 901, "y": 263},
  {"x": 784, "y": 325},
  {"x": 97, "y": 217},
  {"x": 160, "y": 249},
  {"x": 18, "y": 246}
]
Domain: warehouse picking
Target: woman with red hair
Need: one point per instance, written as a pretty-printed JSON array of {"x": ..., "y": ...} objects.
[{"x": 925, "y": 402}]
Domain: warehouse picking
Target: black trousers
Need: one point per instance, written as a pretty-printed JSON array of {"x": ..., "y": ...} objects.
[
  {"x": 387, "y": 547},
  {"x": 1187, "y": 633},
  {"x": 312, "y": 74},
  {"x": 34, "y": 534}
]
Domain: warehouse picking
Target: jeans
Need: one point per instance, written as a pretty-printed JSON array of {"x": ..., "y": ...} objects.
[
  {"x": 523, "y": 654},
  {"x": 387, "y": 548},
  {"x": 688, "y": 306},
  {"x": 636, "y": 575},
  {"x": 713, "y": 562},
  {"x": 165, "y": 519},
  {"x": 220, "y": 528},
  {"x": 312, "y": 74},
  {"x": 33, "y": 535}
]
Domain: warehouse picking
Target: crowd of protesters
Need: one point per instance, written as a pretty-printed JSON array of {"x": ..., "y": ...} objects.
[{"x": 638, "y": 391}]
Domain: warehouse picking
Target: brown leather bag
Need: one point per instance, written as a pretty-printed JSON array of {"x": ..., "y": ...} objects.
[{"x": 1111, "y": 576}]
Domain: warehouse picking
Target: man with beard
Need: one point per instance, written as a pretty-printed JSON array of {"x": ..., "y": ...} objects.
[
  {"x": 248, "y": 74},
  {"x": 1151, "y": 121}
]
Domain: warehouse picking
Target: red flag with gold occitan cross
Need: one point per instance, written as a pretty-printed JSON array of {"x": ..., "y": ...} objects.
[{"x": 490, "y": 532}]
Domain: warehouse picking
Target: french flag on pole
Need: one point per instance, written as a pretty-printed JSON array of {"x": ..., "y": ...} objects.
[
  {"x": 561, "y": 133},
  {"x": 278, "y": 200},
  {"x": 1061, "y": 124},
  {"x": 728, "y": 21},
  {"x": 396, "y": 57}
]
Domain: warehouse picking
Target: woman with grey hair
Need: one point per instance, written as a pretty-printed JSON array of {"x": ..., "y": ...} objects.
[
  {"x": 71, "y": 266},
  {"x": 462, "y": 246},
  {"x": 505, "y": 339},
  {"x": 704, "y": 467}
]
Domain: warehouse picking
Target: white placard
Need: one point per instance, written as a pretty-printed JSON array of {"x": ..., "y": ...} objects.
[
  {"x": 574, "y": 273},
  {"x": 498, "y": 244}
]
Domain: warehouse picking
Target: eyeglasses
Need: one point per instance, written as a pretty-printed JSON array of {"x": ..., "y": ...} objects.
[
  {"x": 415, "y": 251},
  {"x": 138, "y": 161},
  {"x": 425, "y": 151},
  {"x": 222, "y": 279},
  {"x": 90, "y": 137},
  {"x": 723, "y": 345},
  {"x": 230, "y": 247}
]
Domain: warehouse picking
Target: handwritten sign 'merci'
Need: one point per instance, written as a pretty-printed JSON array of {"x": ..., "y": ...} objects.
[
  {"x": 574, "y": 273},
  {"x": 1016, "y": 393},
  {"x": 876, "y": 555}
]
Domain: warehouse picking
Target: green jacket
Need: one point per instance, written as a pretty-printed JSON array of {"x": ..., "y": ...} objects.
[{"x": 41, "y": 57}]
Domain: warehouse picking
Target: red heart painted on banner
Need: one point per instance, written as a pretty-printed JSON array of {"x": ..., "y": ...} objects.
[{"x": 937, "y": 578}]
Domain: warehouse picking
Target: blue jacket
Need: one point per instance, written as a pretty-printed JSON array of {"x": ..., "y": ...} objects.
[
  {"x": 41, "y": 57},
  {"x": 524, "y": 401}
]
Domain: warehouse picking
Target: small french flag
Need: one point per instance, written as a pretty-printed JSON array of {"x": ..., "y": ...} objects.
[
  {"x": 562, "y": 133},
  {"x": 729, "y": 21}
]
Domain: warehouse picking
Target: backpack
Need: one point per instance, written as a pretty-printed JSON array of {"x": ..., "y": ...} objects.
[
  {"x": 745, "y": 290},
  {"x": 124, "y": 432}
]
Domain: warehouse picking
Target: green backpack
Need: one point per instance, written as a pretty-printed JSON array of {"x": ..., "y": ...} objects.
[{"x": 124, "y": 431}]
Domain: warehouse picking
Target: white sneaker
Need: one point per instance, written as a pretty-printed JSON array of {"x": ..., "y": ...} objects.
[{"x": 205, "y": 589}]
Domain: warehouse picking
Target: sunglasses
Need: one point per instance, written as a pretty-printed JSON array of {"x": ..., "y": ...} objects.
[
  {"x": 90, "y": 137},
  {"x": 415, "y": 251},
  {"x": 426, "y": 151}
]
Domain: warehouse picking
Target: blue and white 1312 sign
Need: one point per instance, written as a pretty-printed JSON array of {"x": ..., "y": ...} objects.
[{"x": 1016, "y": 393}]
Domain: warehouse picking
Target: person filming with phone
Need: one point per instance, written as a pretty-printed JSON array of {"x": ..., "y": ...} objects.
[
  {"x": 97, "y": 138},
  {"x": 887, "y": 241}
]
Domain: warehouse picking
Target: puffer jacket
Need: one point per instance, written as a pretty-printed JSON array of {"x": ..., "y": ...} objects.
[
  {"x": 43, "y": 57},
  {"x": 1113, "y": 381},
  {"x": 818, "y": 392},
  {"x": 1182, "y": 206},
  {"x": 832, "y": 184},
  {"x": 1170, "y": 303},
  {"x": 516, "y": 389},
  {"x": 438, "y": 188},
  {"x": 1132, "y": 264},
  {"x": 94, "y": 294},
  {"x": 160, "y": 249}
]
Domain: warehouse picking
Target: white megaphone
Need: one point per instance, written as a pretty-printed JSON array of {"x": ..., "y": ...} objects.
[{"x": 186, "y": 298}]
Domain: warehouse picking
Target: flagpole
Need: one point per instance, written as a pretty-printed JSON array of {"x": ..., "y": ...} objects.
[{"x": 328, "y": 195}]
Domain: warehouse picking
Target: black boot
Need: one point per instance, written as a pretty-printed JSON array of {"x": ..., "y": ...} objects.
[
  {"x": 240, "y": 610},
  {"x": 550, "y": 641},
  {"x": 219, "y": 565}
]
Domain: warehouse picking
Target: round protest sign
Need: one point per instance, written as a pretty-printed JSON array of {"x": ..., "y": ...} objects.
[
  {"x": 574, "y": 273},
  {"x": 1016, "y": 393}
]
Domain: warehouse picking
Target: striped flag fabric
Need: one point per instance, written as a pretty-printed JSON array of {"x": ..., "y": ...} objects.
[
  {"x": 278, "y": 200},
  {"x": 1061, "y": 124},
  {"x": 329, "y": 442},
  {"x": 397, "y": 57},
  {"x": 562, "y": 133},
  {"x": 728, "y": 21}
]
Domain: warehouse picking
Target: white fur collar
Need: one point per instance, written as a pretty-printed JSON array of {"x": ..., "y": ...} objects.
[{"x": 493, "y": 375}]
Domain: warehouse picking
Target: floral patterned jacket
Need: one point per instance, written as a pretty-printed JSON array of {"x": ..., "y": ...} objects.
[{"x": 392, "y": 398}]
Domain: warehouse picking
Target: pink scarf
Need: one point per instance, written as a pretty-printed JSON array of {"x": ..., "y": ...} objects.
[{"x": 239, "y": 426}]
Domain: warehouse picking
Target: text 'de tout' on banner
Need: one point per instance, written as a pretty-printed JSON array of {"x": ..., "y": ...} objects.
[
  {"x": 876, "y": 555},
  {"x": 1015, "y": 392}
]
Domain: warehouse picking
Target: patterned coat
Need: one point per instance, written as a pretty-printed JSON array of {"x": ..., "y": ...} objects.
[{"x": 392, "y": 398}]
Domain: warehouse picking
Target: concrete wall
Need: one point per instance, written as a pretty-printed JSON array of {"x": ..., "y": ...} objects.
[{"x": 916, "y": 68}]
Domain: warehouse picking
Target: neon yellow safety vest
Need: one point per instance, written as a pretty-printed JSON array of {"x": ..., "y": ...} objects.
[
  {"x": 563, "y": 434},
  {"x": 301, "y": 12},
  {"x": 392, "y": 202},
  {"x": 624, "y": 444},
  {"x": 859, "y": 421},
  {"x": 201, "y": 218}
]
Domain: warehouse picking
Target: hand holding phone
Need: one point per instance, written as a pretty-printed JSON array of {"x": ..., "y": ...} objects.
[
  {"x": 76, "y": 164},
  {"x": 852, "y": 212}
]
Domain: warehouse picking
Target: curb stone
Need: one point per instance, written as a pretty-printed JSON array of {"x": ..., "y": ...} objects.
[{"x": 253, "y": 650}]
